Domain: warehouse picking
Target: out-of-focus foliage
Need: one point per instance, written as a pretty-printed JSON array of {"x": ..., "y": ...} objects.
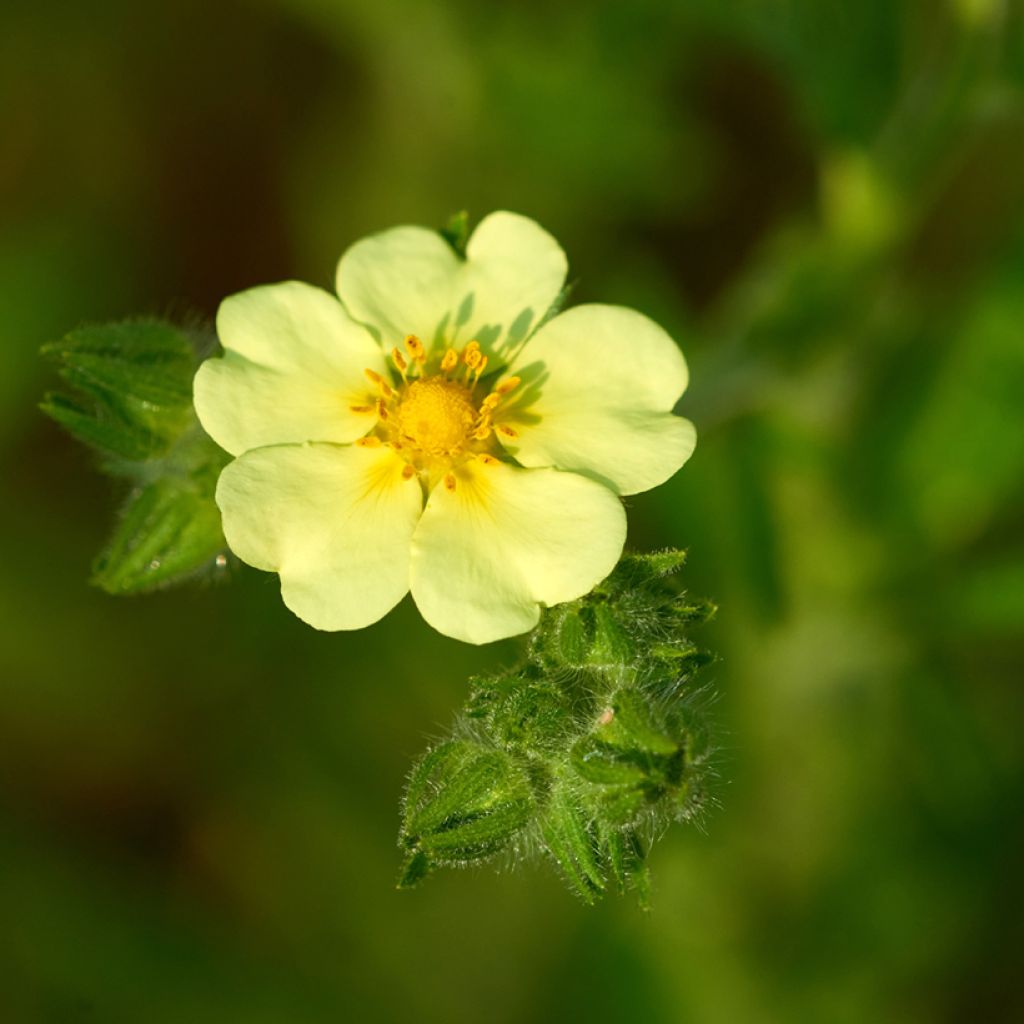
[{"x": 824, "y": 203}]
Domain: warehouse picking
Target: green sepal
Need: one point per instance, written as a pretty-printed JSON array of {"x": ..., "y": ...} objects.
[
  {"x": 464, "y": 802},
  {"x": 564, "y": 636},
  {"x": 632, "y": 724},
  {"x": 569, "y": 837},
  {"x": 627, "y": 864},
  {"x": 456, "y": 232},
  {"x": 521, "y": 711},
  {"x": 636, "y": 570},
  {"x": 612, "y": 645},
  {"x": 682, "y": 611},
  {"x": 414, "y": 870}
]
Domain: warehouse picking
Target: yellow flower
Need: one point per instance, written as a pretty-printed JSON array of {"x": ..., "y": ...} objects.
[{"x": 429, "y": 432}]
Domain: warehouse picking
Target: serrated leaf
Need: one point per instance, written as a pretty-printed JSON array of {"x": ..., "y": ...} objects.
[
  {"x": 131, "y": 387},
  {"x": 170, "y": 529},
  {"x": 102, "y": 429}
]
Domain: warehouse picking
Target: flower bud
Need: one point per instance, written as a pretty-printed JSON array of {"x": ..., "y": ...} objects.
[{"x": 464, "y": 802}]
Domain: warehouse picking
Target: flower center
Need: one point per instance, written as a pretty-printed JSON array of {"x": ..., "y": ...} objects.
[
  {"x": 433, "y": 420},
  {"x": 436, "y": 415}
]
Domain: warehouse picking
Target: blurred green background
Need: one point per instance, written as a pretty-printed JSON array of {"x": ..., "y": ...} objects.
[{"x": 824, "y": 202}]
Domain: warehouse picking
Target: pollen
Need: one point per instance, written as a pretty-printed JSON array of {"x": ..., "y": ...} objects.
[
  {"x": 436, "y": 416},
  {"x": 415, "y": 348}
]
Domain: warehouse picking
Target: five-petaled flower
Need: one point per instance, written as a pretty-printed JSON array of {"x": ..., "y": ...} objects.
[{"x": 432, "y": 431}]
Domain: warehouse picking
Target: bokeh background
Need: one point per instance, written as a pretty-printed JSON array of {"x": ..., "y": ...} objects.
[{"x": 824, "y": 202}]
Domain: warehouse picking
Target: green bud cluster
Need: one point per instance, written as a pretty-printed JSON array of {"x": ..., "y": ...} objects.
[{"x": 584, "y": 750}]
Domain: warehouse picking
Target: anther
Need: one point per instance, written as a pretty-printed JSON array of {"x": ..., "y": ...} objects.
[
  {"x": 382, "y": 409},
  {"x": 506, "y": 430},
  {"x": 482, "y": 432},
  {"x": 399, "y": 359},
  {"x": 510, "y": 384},
  {"x": 415, "y": 348},
  {"x": 490, "y": 402},
  {"x": 449, "y": 482},
  {"x": 372, "y": 441},
  {"x": 408, "y": 471},
  {"x": 373, "y": 377},
  {"x": 361, "y": 408},
  {"x": 450, "y": 361},
  {"x": 487, "y": 460},
  {"x": 471, "y": 354}
]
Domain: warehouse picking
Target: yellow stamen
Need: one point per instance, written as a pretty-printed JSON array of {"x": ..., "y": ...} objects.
[
  {"x": 490, "y": 402},
  {"x": 449, "y": 482},
  {"x": 487, "y": 460},
  {"x": 506, "y": 430},
  {"x": 507, "y": 385},
  {"x": 369, "y": 442},
  {"x": 415, "y": 348},
  {"x": 382, "y": 409},
  {"x": 478, "y": 370},
  {"x": 399, "y": 359},
  {"x": 362, "y": 408},
  {"x": 450, "y": 361},
  {"x": 482, "y": 432},
  {"x": 373, "y": 377},
  {"x": 471, "y": 354},
  {"x": 408, "y": 471}
]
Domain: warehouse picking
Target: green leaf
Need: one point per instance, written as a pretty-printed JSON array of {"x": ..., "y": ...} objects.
[
  {"x": 131, "y": 387},
  {"x": 170, "y": 529}
]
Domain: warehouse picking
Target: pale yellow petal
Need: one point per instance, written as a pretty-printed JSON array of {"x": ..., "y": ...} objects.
[
  {"x": 505, "y": 541},
  {"x": 408, "y": 280},
  {"x": 334, "y": 521},
  {"x": 598, "y": 384},
  {"x": 292, "y": 370},
  {"x": 514, "y": 271}
]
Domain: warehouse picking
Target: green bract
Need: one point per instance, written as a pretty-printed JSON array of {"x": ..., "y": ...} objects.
[{"x": 435, "y": 431}]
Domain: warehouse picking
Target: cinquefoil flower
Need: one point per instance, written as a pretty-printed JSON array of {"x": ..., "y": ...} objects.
[{"x": 431, "y": 432}]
